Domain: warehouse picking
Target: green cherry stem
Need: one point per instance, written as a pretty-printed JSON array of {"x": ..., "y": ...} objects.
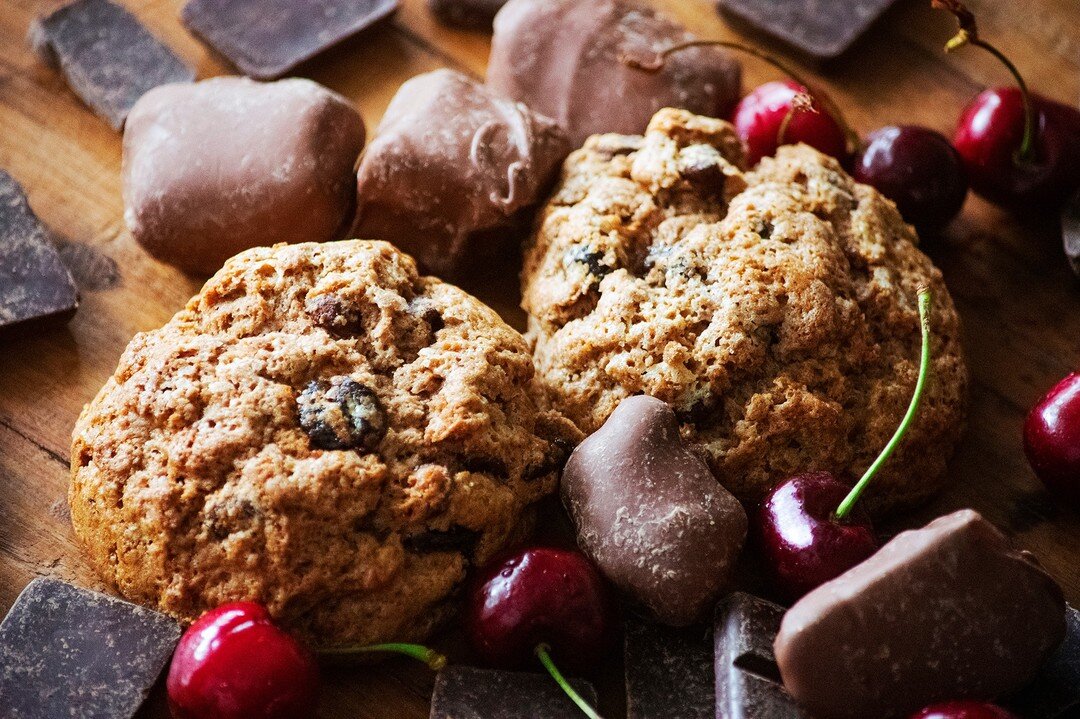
[
  {"x": 543, "y": 653},
  {"x": 920, "y": 385},
  {"x": 432, "y": 658}
]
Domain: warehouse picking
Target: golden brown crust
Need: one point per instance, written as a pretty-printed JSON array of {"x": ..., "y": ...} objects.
[
  {"x": 776, "y": 310},
  {"x": 195, "y": 482}
]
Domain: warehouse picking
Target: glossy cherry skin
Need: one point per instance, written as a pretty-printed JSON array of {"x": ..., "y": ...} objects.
[
  {"x": 963, "y": 710},
  {"x": 759, "y": 116},
  {"x": 539, "y": 595},
  {"x": 235, "y": 663},
  {"x": 916, "y": 168},
  {"x": 1052, "y": 439},
  {"x": 803, "y": 545},
  {"x": 989, "y": 135}
]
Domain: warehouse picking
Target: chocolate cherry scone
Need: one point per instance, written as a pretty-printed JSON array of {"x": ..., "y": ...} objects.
[
  {"x": 321, "y": 430},
  {"x": 774, "y": 309}
]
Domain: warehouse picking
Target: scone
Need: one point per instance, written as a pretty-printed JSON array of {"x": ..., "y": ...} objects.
[
  {"x": 322, "y": 430},
  {"x": 775, "y": 309}
]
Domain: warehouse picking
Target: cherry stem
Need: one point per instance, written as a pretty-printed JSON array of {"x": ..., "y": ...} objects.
[
  {"x": 543, "y": 653},
  {"x": 432, "y": 658},
  {"x": 658, "y": 62},
  {"x": 920, "y": 385}
]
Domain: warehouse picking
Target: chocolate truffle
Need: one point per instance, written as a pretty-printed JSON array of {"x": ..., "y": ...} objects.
[
  {"x": 949, "y": 611},
  {"x": 219, "y": 166},
  {"x": 651, "y": 515},
  {"x": 451, "y": 161},
  {"x": 568, "y": 59}
]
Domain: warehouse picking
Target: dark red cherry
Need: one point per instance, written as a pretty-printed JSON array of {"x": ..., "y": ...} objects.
[
  {"x": 917, "y": 169},
  {"x": 759, "y": 121},
  {"x": 802, "y": 543},
  {"x": 235, "y": 663},
  {"x": 963, "y": 710},
  {"x": 1052, "y": 439},
  {"x": 539, "y": 596}
]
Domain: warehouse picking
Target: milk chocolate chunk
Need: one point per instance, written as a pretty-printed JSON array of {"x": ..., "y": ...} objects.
[
  {"x": 70, "y": 652},
  {"x": 108, "y": 58},
  {"x": 822, "y": 29},
  {"x": 651, "y": 515},
  {"x": 219, "y": 166},
  {"x": 949, "y": 611},
  {"x": 1055, "y": 692},
  {"x": 265, "y": 39},
  {"x": 669, "y": 672},
  {"x": 467, "y": 693},
  {"x": 451, "y": 163},
  {"x": 35, "y": 286},
  {"x": 1070, "y": 233},
  {"x": 571, "y": 60},
  {"x": 748, "y": 682},
  {"x": 467, "y": 14}
]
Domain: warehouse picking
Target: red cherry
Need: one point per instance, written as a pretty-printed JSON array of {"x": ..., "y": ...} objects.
[
  {"x": 759, "y": 118},
  {"x": 235, "y": 663},
  {"x": 803, "y": 544},
  {"x": 963, "y": 710},
  {"x": 1052, "y": 439},
  {"x": 539, "y": 596}
]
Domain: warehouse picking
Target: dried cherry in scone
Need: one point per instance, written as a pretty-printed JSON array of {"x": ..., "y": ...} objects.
[{"x": 341, "y": 413}]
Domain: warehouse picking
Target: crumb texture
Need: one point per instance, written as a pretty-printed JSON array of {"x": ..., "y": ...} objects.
[
  {"x": 774, "y": 309},
  {"x": 322, "y": 430}
]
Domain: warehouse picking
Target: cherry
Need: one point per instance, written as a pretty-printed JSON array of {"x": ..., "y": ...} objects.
[
  {"x": 771, "y": 115},
  {"x": 917, "y": 169},
  {"x": 963, "y": 710},
  {"x": 808, "y": 528},
  {"x": 1052, "y": 439}
]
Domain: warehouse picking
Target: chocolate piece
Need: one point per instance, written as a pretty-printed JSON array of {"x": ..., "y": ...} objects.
[
  {"x": 219, "y": 166},
  {"x": 66, "y": 651},
  {"x": 822, "y": 29},
  {"x": 267, "y": 38},
  {"x": 747, "y": 679},
  {"x": 34, "y": 284},
  {"x": 569, "y": 60},
  {"x": 467, "y": 14},
  {"x": 669, "y": 672},
  {"x": 650, "y": 513},
  {"x": 1055, "y": 693},
  {"x": 108, "y": 58},
  {"x": 1070, "y": 233},
  {"x": 341, "y": 414},
  {"x": 451, "y": 162},
  {"x": 949, "y": 611},
  {"x": 467, "y": 693}
]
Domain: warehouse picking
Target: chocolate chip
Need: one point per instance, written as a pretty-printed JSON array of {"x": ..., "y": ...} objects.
[
  {"x": 701, "y": 166},
  {"x": 456, "y": 539},
  {"x": 553, "y": 461},
  {"x": 485, "y": 465},
  {"x": 332, "y": 314},
  {"x": 424, "y": 308},
  {"x": 592, "y": 259},
  {"x": 341, "y": 414}
]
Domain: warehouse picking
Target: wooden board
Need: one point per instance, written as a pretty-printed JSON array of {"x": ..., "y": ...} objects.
[{"x": 1020, "y": 305}]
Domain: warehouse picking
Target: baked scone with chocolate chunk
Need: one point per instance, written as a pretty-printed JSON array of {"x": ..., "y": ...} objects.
[
  {"x": 321, "y": 430},
  {"x": 774, "y": 309}
]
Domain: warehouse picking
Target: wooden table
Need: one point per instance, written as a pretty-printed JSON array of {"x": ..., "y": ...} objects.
[{"x": 1020, "y": 305}]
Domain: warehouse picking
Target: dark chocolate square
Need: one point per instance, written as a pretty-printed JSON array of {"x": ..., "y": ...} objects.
[
  {"x": 109, "y": 59},
  {"x": 70, "y": 652},
  {"x": 669, "y": 672},
  {"x": 468, "y": 693},
  {"x": 267, "y": 38}
]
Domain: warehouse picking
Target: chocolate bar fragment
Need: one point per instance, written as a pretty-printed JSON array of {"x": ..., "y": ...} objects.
[
  {"x": 822, "y": 29},
  {"x": 468, "y": 693},
  {"x": 34, "y": 284},
  {"x": 669, "y": 672},
  {"x": 748, "y": 682},
  {"x": 466, "y": 14},
  {"x": 1070, "y": 233},
  {"x": 70, "y": 652},
  {"x": 108, "y": 58},
  {"x": 266, "y": 39},
  {"x": 1055, "y": 693}
]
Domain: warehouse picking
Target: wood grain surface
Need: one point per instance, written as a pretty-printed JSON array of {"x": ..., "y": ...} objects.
[{"x": 1020, "y": 304}]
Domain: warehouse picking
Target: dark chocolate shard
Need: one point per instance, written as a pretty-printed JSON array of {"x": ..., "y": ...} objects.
[
  {"x": 748, "y": 682},
  {"x": 1070, "y": 232},
  {"x": 468, "y": 693},
  {"x": 265, "y": 39},
  {"x": 108, "y": 58},
  {"x": 66, "y": 651},
  {"x": 1055, "y": 692},
  {"x": 823, "y": 29},
  {"x": 34, "y": 283},
  {"x": 669, "y": 672},
  {"x": 466, "y": 14}
]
